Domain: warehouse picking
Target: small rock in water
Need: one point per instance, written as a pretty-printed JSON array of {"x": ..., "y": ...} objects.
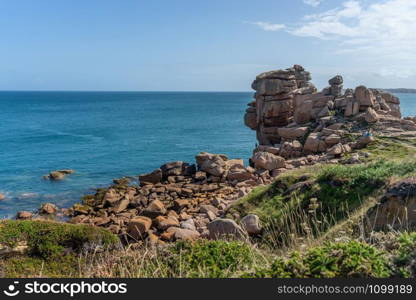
[{"x": 58, "y": 174}]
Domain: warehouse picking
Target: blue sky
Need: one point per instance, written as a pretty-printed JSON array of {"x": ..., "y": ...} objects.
[{"x": 202, "y": 45}]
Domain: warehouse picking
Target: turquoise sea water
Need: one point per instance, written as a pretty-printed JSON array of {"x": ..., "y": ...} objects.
[{"x": 106, "y": 135}]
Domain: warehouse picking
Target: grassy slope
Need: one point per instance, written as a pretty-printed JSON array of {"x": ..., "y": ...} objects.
[
  {"x": 308, "y": 202},
  {"x": 52, "y": 248}
]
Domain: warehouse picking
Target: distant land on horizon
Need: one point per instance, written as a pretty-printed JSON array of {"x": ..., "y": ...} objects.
[{"x": 400, "y": 90}]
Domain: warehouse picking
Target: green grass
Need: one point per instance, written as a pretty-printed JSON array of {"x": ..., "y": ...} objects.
[
  {"x": 351, "y": 259},
  {"x": 198, "y": 259},
  {"x": 25, "y": 266},
  {"x": 342, "y": 188},
  {"x": 331, "y": 193},
  {"x": 405, "y": 255},
  {"x": 214, "y": 259},
  {"x": 51, "y": 239}
]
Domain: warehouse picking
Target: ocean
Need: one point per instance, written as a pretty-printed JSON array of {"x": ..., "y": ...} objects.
[{"x": 107, "y": 135}]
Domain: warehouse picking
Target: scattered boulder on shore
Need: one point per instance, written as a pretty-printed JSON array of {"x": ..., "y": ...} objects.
[
  {"x": 268, "y": 161},
  {"x": 151, "y": 178},
  {"x": 175, "y": 202},
  {"x": 24, "y": 215},
  {"x": 48, "y": 209},
  {"x": 251, "y": 223},
  {"x": 223, "y": 228}
]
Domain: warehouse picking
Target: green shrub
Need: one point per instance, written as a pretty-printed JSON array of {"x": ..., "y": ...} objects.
[
  {"x": 340, "y": 184},
  {"x": 25, "y": 266},
  {"x": 211, "y": 259},
  {"x": 49, "y": 239},
  {"x": 405, "y": 256},
  {"x": 352, "y": 259},
  {"x": 331, "y": 193}
]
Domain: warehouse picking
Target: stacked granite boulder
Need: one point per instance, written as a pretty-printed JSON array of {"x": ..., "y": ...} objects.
[
  {"x": 293, "y": 120},
  {"x": 274, "y": 105}
]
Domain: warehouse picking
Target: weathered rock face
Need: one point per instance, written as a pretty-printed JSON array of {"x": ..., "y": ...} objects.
[
  {"x": 48, "y": 209},
  {"x": 294, "y": 122},
  {"x": 151, "y": 178},
  {"x": 397, "y": 208},
  {"x": 274, "y": 106},
  {"x": 267, "y": 161},
  {"x": 251, "y": 223},
  {"x": 287, "y": 106},
  {"x": 221, "y": 228}
]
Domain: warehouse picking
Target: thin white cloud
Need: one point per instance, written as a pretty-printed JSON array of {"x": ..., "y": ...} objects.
[
  {"x": 383, "y": 33},
  {"x": 269, "y": 26},
  {"x": 373, "y": 42},
  {"x": 314, "y": 3}
]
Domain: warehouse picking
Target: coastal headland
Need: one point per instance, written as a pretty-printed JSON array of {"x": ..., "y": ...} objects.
[{"x": 332, "y": 171}]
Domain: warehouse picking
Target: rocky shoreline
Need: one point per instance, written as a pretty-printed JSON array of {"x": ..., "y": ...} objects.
[{"x": 296, "y": 126}]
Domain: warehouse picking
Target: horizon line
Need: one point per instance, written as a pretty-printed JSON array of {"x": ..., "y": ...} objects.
[
  {"x": 165, "y": 91},
  {"x": 132, "y": 91}
]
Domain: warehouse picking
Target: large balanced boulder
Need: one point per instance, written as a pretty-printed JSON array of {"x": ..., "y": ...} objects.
[
  {"x": 213, "y": 164},
  {"x": 151, "y": 178},
  {"x": 311, "y": 144},
  {"x": 251, "y": 223},
  {"x": 287, "y": 106},
  {"x": 220, "y": 228},
  {"x": 267, "y": 161},
  {"x": 138, "y": 227},
  {"x": 364, "y": 96}
]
